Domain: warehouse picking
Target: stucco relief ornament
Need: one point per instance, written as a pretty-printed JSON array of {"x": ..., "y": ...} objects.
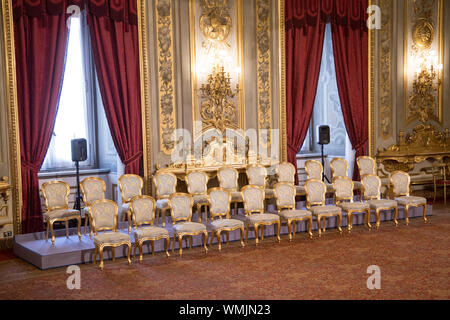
[{"x": 215, "y": 23}]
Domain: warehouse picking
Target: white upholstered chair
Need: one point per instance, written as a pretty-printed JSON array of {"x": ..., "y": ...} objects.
[
  {"x": 343, "y": 193},
  {"x": 130, "y": 185},
  {"x": 254, "y": 212},
  {"x": 371, "y": 192},
  {"x": 286, "y": 173},
  {"x": 314, "y": 170},
  {"x": 315, "y": 202},
  {"x": 181, "y": 211},
  {"x": 197, "y": 182},
  {"x": 220, "y": 199},
  {"x": 285, "y": 197},
  {"x": 257, "y": 176},
  {"x": 400, "y": 184},
  {"x": 339, "y": 167},
  {"x": 228, "y": 180},
  {"x": 166, "y": 184},
  {"x": 92, "y": 189},
  {"x": 366, "y": 165},
  {"x": 56, "y": 199},
  {"x": 143, "y": 209},
  {"x": 104, "y": 216}
]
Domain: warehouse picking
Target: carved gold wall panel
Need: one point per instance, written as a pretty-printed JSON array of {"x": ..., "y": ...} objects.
[
  {"x": 385, "y": 69},
  {"x": 263, "y": 47},
  {"x": 166, "y": 75},
  {"x": 423, "y": 27},
  {"x": 216, "y": 40}
]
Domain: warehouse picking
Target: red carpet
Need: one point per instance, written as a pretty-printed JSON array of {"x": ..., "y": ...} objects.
[{"x": 414, "y": 263}]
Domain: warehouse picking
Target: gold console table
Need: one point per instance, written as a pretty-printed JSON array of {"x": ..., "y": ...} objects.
[{"x": 425, "y": 143}]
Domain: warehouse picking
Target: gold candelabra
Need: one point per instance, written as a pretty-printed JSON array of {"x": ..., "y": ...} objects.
[
  {"x": 427, "y": 79},
  {"x": 218, "y": 110}
]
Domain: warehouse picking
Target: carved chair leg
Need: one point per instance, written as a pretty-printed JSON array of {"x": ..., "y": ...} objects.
[
  {"x": 228, "y": 237},
  {"x": 205, "y": 241},
  {"x": 293, "y": 224},
  {"x": 166, "y": 246},
  {"x": 377, "y": 214},
  {"x": 242, "y": 237},
  {"x": 310, "y": 227},
  {"x": 113, "y": 253},
  {"x": 406, "y": 214},
  {"x": 94, "y": 258},
  {"x": 163, "y": 211},
  {"x": 52, "y": 232},
  {"x": 135, "y": 247},
  {"x": 278, "y": 231},
  {"x": 140, "y": 251},
  {"x": 368, "y": 219},
  {"x": 396, "y": 216},
  {"x": 173, "y": 245},
  {"x": 255, "y": 227},
  {"x": 180, "y": 242},
  {"x": 318, "y": 225},
  {"x": 129, "y": 252},
  {"x": 46, "y": 231},
  {"x": 339, "y": 223},
  {"x": 425, "y": 213},
  {"x": 262, "y": 232},
  {"x": 101, "y": 257},
  {"x": 85, "y": 223},
  {"x": 218, "y": 240},
  {"x": 349, "y": 222},
  {"x": 79, "y": 228}
]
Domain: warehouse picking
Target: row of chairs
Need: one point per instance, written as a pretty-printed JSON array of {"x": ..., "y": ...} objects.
[{"x": 103, "y": 214}]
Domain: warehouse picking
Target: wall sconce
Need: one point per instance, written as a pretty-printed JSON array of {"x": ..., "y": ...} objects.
[{"x": 427, "y": 79}]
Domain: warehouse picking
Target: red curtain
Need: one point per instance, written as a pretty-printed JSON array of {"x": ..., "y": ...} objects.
[
  {"x": 350, "y": 48},
  {"x": 305, "y": 25},
  {"x": 114, "y": 36},
  {"x": 305, "y": 31},
  {"x": 40, "y": 37}
]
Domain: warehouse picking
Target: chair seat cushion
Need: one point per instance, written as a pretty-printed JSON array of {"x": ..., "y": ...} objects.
[
  {"x": 125, "y": 207},
  {"x": 84, "y": 211},
  {"x": 162, "y": 204},
  {"x": 292, "y": 214},
  {"x": 226, "y": 223},
  {"x": 150, "y": 232},
  {"x": 200, "y": 198},
  {"x": 405, "y": 200},
  {"x": 382, "y": 203},
  {"x": 189, "y": 227},
  {"x": 325, "y": 210},
  {"x": 300, "y": 190},
  {"x": 262, "y": 217},
  {"x": 236, "y": 196},
  {"x": 347, "y": 206},
  {"x": 61, "y": 213},
  {"x": 111, "y": 237}
]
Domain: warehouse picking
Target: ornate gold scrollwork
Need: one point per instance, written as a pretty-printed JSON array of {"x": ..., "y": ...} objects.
[
  {"x": 166, "y": 70},
  {"x": 263, "y": 70},
  {"x": 4, "y": 194},
  {"x": 215, "y": 21}
]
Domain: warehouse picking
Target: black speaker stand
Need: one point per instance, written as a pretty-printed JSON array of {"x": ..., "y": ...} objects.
[
  {"x": 323, "y": 165},
  {"x": 77, "y": 205}
]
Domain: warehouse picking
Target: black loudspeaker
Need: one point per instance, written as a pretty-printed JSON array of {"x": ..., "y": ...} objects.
[
  {"x": 324, "y": 134},
  {"x": 79, "y": 150}
]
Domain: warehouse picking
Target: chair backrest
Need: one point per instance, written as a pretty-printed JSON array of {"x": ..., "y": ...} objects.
[
  {"x": 371, "y": 186},
  {"x": 257, "y": 175},
  {"x": 366, "y": 165},
  {"x": 92, "y": 189},
  {"x": 400, "y": 182},
  {"x": 339, "y": 167},
  {"x": 56, "y": 195},
  {"x": 313, "y": 169},
  {"x": 181, "y": 206},
  {"x": 165, "y": 183},
  {"x": 284, "y": 195},
  {"x": 104, "y": 214},
  {"x": 219, "y": 200},
  {"x": 130, "y": 185},
  {"x": 343, "y": 188},
  {"x": 253, "y": 199},
  {"x": 143, "y": 209},
  {"x": 286, "y": 172},
  {"x": 197, "y": 182},
  {"x": 315, "y": 192},
  {"x": 228, "y": 178}
]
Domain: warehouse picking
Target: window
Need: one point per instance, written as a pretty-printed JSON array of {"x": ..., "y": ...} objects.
[
  {"x": 327, "y": 108},
  {"x": 74, "y": 118}
]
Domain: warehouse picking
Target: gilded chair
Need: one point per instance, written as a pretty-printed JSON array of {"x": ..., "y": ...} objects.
[
  {"x": 143, "y": 209},
  {"x": 254, "y": 212},
  {"x": 400, "y": 184},
  {"x": 286, "y": 172},
  {"x": 339, "y": 167},
  {"x": 314, "y": 170},
  {"x": 166, "y": 184},
  {"x": 104, "y": 216},
  {"x": 180, "y": 205},
  {"x": 371, "y": 193},
  {"x": 228, "y": 180},
  {"x": 56, "y": 199},
  {"x": 315, "y": 202},
  {"x": 366, "y": 165},
  {"x": 343, "y": 192},
  {"x": 197, "y": 186},
  {"x": 285, "y": 197},
  {"x": 130, "y": 185},
  {"x": 220, "y": 200},
  {"x": 440, "y": 178},
  {"x": 92, "y": 189},
  {"x": 257, "y": 176}
]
